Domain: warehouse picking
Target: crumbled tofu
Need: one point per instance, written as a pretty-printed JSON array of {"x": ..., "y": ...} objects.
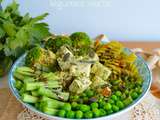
[
  {"x": 79, "y": 85},
  {"x": 80, "y": 68},
  {"x": 97, "y": 81},
  {"x": 65, "y": 58},
  {"x": 100, "y": 70}
]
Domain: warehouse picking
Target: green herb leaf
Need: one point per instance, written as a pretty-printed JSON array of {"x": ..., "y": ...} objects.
[
  {"x": 10, "y": 28},
  {"x": 2, "y": 32},
  {"x": 1, "y": 46},
  {"x": 40, "y": 31},
  {"x": 38, "y": 18},
  {"x": 12, "y": 8},
  {"x": 25, "y": 19}
]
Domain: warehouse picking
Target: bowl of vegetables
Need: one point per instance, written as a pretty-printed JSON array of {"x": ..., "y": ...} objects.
[{"x": 74, "y": 77}]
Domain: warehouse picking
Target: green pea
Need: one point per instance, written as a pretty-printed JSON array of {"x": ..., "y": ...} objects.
[
  {"x": 126, "y": 78},
  {"x": 115, "y": 108},
  {"x": 80, "y": 101},
  {"x": 62, "y": 113},
  {"x": 134, "y": 95},
  {"x": 66, "y": 107},
  {"x": 100, "y": 100},
  {"x": 70, "y": 114},
  {"x": 132, "y": 85},
  {"x": 102, "y": 112},
  {"x": 118, "y": 93},
  {"x": 75, "y": 98},
  {"x": 71, "y": 97},
  {"x": 84, "y": 108},
  {"x": 90, "y": 93},
  {"x": 88, "y": 114},
  {"x": 115, "y": 87},
  {"x": 128, "y": 101},
  {"x": 107, "y": 106},
  {"x": 74, "y": 105},
  {"x": 139, "y": 82},
  {"x": 84, "y": 95},
  {"x": 123, "y": 96},
  {"x": 94, "y": 105},
  {"x": 110, "y": 111},
  {"x": 101, "y": 104},
  {"x": 120, "y": 104},
  {"x": 85, "y": 99},
  {"x": 116, "y": 82},
  {"x": 96, "y": 112},
  {"x": 79, "y": 114},
  {"x": 139, "y": 90},
  {"x": 126, "y": 92},
  {"x": 114, "y": 97},
  {"x": 111, "y": 101}
]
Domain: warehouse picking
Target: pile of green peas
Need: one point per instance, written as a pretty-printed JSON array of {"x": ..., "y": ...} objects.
[{"x": 80, "y": 106}]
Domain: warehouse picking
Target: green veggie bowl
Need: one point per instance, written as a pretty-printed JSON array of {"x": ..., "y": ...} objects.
[{"x": 143, "y": 70}]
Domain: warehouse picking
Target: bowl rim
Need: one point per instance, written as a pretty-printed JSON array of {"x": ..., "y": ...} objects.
[{"x": 36, "y": 111}]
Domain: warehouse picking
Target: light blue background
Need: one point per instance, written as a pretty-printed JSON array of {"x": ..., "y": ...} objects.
[{"x": 119, "y": 19}]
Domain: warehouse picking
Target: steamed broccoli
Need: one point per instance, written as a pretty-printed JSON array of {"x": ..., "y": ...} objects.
[
  {"x": 40, "y": 59},
  {"x": 80, "y": 39},
  {"x": 54, "y": 44}
]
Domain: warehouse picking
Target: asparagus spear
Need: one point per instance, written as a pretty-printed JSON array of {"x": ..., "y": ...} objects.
[
  {"x": 35, "y": 93},
  {"x": 25, "y": 71},
  {"x": 22, "y": 90},
  {"x": 52, "y": 103},
  {"x": 18, "y": 84},
  {"x": 33, "y": 85},
  {"x": 53, "y": 84},
  {"x": 50, "y": 111},
  {"x": 29, "y": 98},
  {"x": 29, "y": 79},
  {"x": 49, "y": 76},
  {"x": 49, "y": 93}
]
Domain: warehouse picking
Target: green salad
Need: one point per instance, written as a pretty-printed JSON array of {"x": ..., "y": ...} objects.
[{"x": 76, "y": 77}]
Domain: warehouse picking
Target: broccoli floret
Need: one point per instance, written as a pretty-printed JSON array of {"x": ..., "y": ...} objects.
[
  {"x": 54, "y": 44},
  {"x": 40, "y": 59},
  {"x": 80, "y": 39}
]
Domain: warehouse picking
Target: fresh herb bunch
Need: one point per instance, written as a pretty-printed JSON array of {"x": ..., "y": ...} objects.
[{"x": 19, "y": 33}]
